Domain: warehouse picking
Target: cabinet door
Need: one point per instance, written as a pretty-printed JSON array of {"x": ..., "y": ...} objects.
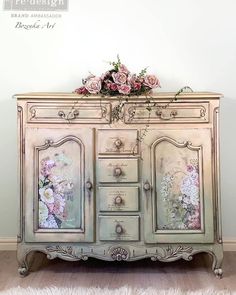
[
  {"x": 59, "y": 185},
  {"x": 177, "y": 186}
]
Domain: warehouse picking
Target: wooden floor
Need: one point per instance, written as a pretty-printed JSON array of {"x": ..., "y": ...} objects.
[{"x": 181, "y": 274}]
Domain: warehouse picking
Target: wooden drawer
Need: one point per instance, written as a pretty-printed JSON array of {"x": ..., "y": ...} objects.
[
  {"x": 117, "y": 170},
  {"x": 61, "y": 112},
  {"x": 113, "y": 228},
  {"x": 118, "y": 198},
  {"x": 177, "y": 112},
  {"x": 117, "y": 141}
]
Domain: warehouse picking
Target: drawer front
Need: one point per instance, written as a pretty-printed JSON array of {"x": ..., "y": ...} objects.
[
  {"x": 118, "y": 198},
  {"x": 117, "y": 141},
  {"x": 177, "y": 112},
  {"x": 117, "y": 170},
  {"x": 113, "y": 228},
  {"x": 64, "y": 112}
]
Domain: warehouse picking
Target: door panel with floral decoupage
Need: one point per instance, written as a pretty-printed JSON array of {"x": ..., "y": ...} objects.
[
  {"x": 62, "y": 163},
  {"x": 180, "y": 197}
]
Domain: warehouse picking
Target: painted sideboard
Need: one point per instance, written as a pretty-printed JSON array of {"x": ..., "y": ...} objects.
[{"x": 143, "y": 186}]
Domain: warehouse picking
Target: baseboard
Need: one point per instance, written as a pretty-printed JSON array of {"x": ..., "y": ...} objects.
[
  {"x": 9, "y": 244},
  {"x": 230, "y": 245}
]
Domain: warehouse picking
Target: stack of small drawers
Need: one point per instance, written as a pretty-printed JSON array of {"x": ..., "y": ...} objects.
[{"x": 118, "y": 185}]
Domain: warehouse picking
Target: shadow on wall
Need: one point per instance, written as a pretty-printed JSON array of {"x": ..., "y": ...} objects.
[
  {"x": 8, "y": 167},
  {"x": 228, "y": 165}
]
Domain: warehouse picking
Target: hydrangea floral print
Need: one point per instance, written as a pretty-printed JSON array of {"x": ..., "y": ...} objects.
[
  {"x": 182, "y": 205},
  {"x": 54, "y": 191}
]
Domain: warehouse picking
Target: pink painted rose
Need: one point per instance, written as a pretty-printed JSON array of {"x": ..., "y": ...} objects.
[
  {"x": 124, "y": 89},
  {"x": 119, "y": 77},
  {"x": 122, "y": 68},
  {"x": 93, "y": 85},
  {"x": 112, "y": 86},
  {"x": 136, "y": 85},
  {"x": 81, "y": 90},
  {"x": 151, "y": 81}
]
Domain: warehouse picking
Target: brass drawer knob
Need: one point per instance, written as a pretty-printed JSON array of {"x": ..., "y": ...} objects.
[
  {"x": 119, "y": 229},
  {"x": 118, "y": 200},
  {"x": 118, "y": 143},
  {"x": 117, "y": 172}
]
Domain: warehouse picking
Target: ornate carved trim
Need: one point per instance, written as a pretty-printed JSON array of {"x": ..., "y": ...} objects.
[
  {"x": 184, "y": 144},
  {"x": 32, "y": 113},
  {"x": 66, "y": 253},
  {"x": 171, "y": 254},
  {"x": 120, "y": 253}
]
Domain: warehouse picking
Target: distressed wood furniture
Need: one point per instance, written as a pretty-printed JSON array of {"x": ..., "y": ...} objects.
[{"x": 146, "y": 186}]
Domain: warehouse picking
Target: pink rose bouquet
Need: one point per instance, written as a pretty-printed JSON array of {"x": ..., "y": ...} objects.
[{"x": 119, "y": 81}]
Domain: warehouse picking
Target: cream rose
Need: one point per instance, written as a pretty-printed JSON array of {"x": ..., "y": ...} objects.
[
  {"x": 119, "y": 77},
  {"x": 151, "y": 81},
  {"x": 93, "y": 85},
  {"x": 46, "y": 195}
]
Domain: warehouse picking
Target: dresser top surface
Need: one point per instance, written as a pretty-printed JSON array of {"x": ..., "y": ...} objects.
[{"x": 74, "y": 96}]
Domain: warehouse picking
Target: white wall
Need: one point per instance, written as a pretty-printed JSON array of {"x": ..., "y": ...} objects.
[{"x": 184, "y": 42}]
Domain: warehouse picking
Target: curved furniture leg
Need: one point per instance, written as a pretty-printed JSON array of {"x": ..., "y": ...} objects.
[
  {"x": 217, "y": 256},
  {"x": 23, "y": 268}
]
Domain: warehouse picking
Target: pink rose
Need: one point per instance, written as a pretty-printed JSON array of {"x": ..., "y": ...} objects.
[
  {"x": 151, "y": 81},
  {"x": 112, "y": 86},
  {"x": 122, "y": 68},
  {"x": 81, "y": 90},
  {"x": 124, "y": 89},
  {"x": 119, "y": 78},
  {"x": 136, "y": 85},
  {"x": 93, "y": 85}
]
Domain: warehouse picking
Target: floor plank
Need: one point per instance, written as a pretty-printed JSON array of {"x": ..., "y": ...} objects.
[{"x": 192, "y": 275}]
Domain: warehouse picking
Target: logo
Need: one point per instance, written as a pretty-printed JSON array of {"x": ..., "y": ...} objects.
[{"x": 36, "y": 5}]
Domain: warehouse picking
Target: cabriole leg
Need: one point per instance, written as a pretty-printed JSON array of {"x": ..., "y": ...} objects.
[{"x": 23, "y": 268}]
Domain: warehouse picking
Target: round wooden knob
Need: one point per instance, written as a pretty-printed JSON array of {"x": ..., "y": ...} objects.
[
  {"x": 119, "y": 229},
  {"x": 89, "y": 185},
  {"x": 118, "y": 200},
  {"x": 147, "y": 186},
  {"x": 118, "y": 143},
  {"x": 117, "y": 172}
]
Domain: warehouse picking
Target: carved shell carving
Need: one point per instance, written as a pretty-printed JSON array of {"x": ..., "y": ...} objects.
[{"x": 119, "y": 254}]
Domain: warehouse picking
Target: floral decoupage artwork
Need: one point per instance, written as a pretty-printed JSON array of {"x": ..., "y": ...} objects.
[
  {"x": 178, "y": 189},
  {"x": 58, "y": 189}
]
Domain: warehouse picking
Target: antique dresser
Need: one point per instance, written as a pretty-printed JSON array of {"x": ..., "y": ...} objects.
[{"x": 144, "y": 184}]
